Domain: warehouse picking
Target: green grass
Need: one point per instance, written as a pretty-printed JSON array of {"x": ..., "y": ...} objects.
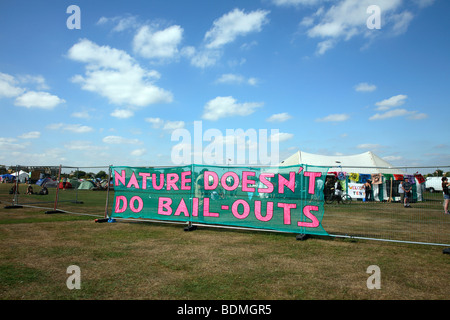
[{"x": 136, "y": 260}]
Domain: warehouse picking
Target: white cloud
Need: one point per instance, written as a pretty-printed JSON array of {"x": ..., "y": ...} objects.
[
  {"x": 122, "y": 113},
  {"x": 121, "y": 23},
  {"x": 115, "y": 75},
  {"x": 324, "y": 46},
  {"x": 159, "y": 44},
  {"x": 401, "y": 22},
  {"x": 295, "y": 2},
  {"x": 10, "y": 144},
  {"x": 346, "y": 19},
  {"x": 334, "y": 118},
  {"x": 30, "y": 135},
  {"x": 233, "y": 24},
  {"x": 38, "y": 80},
  {"x": 365, "y": 87},
  {"x": 156, "y": 122},
  {"x": 173, "y": 125},
  {"x": 221, "y": 107},
  {"x": 368, "y": 146},
  {"x": 411, "y": 115},
  {"x": 83, "y": 145},
  {"x": 280, "y": 136},
  {"x": 394, "y": 101},
  {"x": 75, "y": 128},
  {"x": 230, "y": 78},
  {"x": 81, "y": 114},
  {"x": 202, "y": 58},
  {"x": 38, "y": 99},
  {"x": 415, "y": 115},
  {"x": 120, "y": 140},
  {"x": 424, "y": 3},
  {"x": 138, "y": 152},
  {"x": 8, "y": 86},
  {"x": 279, "y": 117}
]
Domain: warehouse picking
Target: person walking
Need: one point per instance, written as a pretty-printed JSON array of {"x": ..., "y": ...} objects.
[
  {"x": 446, "y": 193},
  {"x": 407, "y": 187}
]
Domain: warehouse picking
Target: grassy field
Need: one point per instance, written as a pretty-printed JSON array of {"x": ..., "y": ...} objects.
[{"x": 135, "y": 260}]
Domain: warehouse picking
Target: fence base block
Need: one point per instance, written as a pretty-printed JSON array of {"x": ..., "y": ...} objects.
[
  {"x": 53, "y": 211},
  {"x": 13, "y": 207},
  {"x": 101, "y": 220},
  {"x": 302, "y": 237},
  {"x": 190, "y": 228}
]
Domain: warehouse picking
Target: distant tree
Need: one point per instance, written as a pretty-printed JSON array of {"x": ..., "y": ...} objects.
[
  {"x": 438, "y": 173},
  {"x": 79, "y": 174},
  {"x": 101, "y": 175}
]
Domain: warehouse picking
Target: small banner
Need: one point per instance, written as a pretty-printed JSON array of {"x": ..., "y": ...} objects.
[{"x": 287, "y": 199}]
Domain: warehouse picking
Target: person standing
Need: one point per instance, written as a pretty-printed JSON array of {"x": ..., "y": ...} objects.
[
  {"x": 446, "y": 193},
  {"x": 407, "y": 187},
  {"x": 368, "y": 191},
  {"x": 401, "y": 192}
]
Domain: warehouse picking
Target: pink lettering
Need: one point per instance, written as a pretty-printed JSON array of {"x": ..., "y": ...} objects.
[
  {"x": 269, "y": 211},
  {"x": 312, "y": 180},
  {"x": 206, "y": 212},
  {"x": 246, "y": 181},
  {"x": 119, "y": 177},
  {"x": 185, "y": 180},
  {"x": 172, "y": 179},
  {"x": 182, "y": 208},
  {"x": 144, "y": 176},
  {"x": 287, "y": 211},
  {"x": 282, "y": 181},
  {"x": 120, "y": 199},
  {"x": 215, "y": 177},
  {"x": 234, "y": 209},
  {"x": 262, "y": 178},
  {"x": 161, "y": 181},
  {"x": 133, "y": 182},
  {"x": 235, "y": 178},
  {"x": 140, "y": 204},
  {"x": 307, "y": 212},
  {"x": 164, "y": 203}
]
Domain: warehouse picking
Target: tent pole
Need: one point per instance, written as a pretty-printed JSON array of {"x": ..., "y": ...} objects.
[
  {"x": 16, "y": 191},
  {"x": 390, "y": 196},
  {"x": 56, "y": 195},
  {"x": 107, "y": 192}
]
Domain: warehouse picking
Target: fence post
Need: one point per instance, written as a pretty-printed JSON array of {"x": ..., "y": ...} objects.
[
  {"x": 189, "y": 226},
  {"x": 107, "y": 191},
  {"x": 56, "y": 196},
  {"x": 15, "y": 198}
]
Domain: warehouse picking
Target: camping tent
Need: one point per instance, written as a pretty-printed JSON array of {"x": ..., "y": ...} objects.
[
  {"x": 42, "y": 181},
  {"x": 68, "y": 185},
  {"x": 86, "y": 185},
  {"x": 356, "y": 169},
  {"x": 7, "y": 177},
  {"x": 23, "y": 176}
]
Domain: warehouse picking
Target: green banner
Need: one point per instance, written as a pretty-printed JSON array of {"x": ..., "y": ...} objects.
[{"x": 287, "y": 199}]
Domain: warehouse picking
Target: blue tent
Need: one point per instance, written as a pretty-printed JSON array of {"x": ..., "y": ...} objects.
[
  {"x": 7, "y": 176},
  {"x": 40, "y": 182}
]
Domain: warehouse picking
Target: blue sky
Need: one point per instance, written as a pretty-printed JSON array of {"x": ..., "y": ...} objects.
[{"x": 115, "y": 90}]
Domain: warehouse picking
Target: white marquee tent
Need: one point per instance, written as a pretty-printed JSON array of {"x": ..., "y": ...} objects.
[
  {"x": 366, "y": 163},
  {"x": 23, "y": 176},
  {"x": 363, "y": 163}
]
